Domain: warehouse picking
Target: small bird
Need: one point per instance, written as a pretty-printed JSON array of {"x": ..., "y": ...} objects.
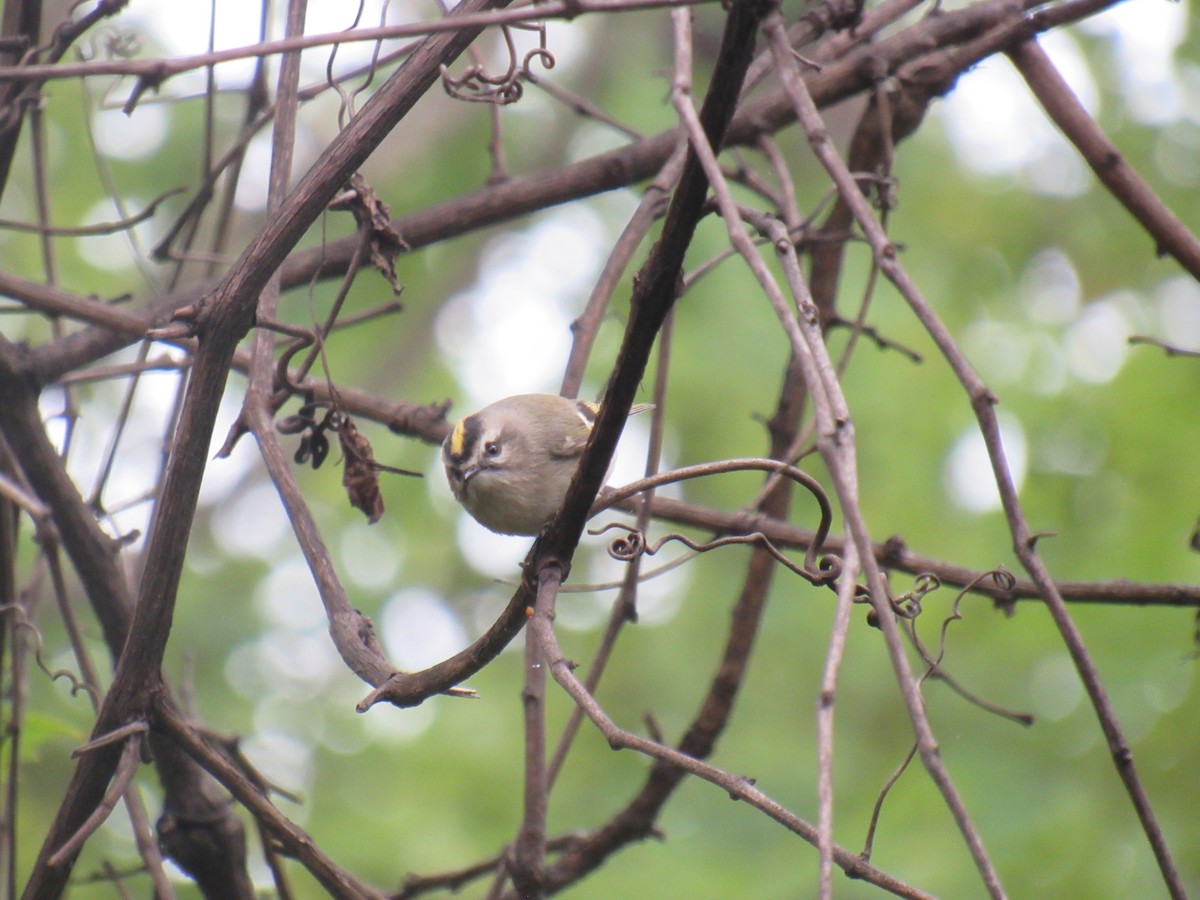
[{"x": 510, "y": 464}]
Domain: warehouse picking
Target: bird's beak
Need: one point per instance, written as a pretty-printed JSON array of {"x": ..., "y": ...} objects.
[{"x": 468, "y": 473}]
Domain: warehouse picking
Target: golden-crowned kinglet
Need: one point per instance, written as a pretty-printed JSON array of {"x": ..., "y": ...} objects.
[{"x": 510, "y": 464}]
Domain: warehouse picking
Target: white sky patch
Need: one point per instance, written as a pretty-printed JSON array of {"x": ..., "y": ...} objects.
[
  {"x": 1097, "y": 344},
  {"x": 225, "y": 474},
  {"x": 1054, "y": 688},
  {"x": 328, "y": 18},
  {"x": 251, "y": 191},
  {"x": 584, "y": 611},
  {"x": 418, "y": 629},
  {"x": 1177, "y": 147},
  {"x": 385, "y": 723},
  {"x": 510, "y": 332},
  {"x": 107, "y": 252},
  {"x": 1049, "y": 288},
  {"x": 1057, "y": 171},
  {"x": 968, "y": 477},
  {"x": 1069, "y": 447},
  {"x": 1000, "y": 351},
  {"x": 1177, "y": 303},
  {"x": 134, "y": 136},
  {"x": 371, "y": 554},
  {"x": 297, "y": 662},
  {"x": 1167, "y": 680},
  {"x": 490, "y": 554},
  {"x": 287, "y": 598},
  {"x": 997, "y": 128},
  {"x": 139, "y": 454},
  {"x": 252, "y": 523},
  {"x": 1046, "y": 373},
  {"x": 182, "y": 29},
  {"x": 1144, "y": 39},
  {"x": 282, "y": 758}
]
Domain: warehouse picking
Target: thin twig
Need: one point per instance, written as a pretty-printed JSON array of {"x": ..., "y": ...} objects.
[
  {"x": 836, "y": 443},
  {"x": 122, "y": 779},
  {"x": 154, "y": 72},
  {"x": 738, "y": 787},
  {"x": 529, "y": 849},
  {"x": 829, "y": 680},
  {"x": 982, "y": 401}
]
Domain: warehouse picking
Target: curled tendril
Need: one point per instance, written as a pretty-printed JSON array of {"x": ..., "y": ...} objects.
[
  {"x": 633, "y": 544},
  {"x": 627, "y": 547},
  {"x": 822, "y": 571},
  {"x": 22, "y": 623},
  {"x": 282, "y": 377},
  {"x": 1003, "y": 579},
  {"x": 908, "y": 604},
  {"x": 544, "y": 56},
  {"x": 477, "y": 86}
]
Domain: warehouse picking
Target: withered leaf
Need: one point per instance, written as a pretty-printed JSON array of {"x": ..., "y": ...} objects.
[
  {"x": 360, "y": 477},
  {"x": 384, "y": 241}
]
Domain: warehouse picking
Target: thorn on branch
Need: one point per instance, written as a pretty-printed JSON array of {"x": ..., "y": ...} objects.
[
  {"x": 150, "y": 81},
  {"x": 1031, "y": 541},
  {"x": 115, "y": 736},
  {"x": 744, "y": 782},
  {"x": 183, "y": 324}
]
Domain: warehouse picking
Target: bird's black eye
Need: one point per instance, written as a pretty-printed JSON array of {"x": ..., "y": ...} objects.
[{"x": 491, "y": 448}]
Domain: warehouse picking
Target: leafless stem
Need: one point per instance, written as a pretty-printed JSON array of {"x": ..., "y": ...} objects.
[
  {"x": 825, "y": 758},
  {"x": 122, "y": 779},
  {"x": 335, "y": 880},
  {"x": 738, "y": 787},
  {"x": 982, "y": 401},
  {"x": 836, "y": 442},
  {"x": 1130, "y": 189},
  {"x": 529, "y": 851}
]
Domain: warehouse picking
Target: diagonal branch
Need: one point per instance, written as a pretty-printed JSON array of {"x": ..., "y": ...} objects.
[
  {"x": 1060, "y": 103},
  {"x": 221, "y": 323},
  {"x": 849, "y": 67},
  {"x": 1024, "y": 543}
]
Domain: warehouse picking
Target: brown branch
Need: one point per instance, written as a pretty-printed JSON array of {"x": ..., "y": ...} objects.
[
  {"x": 131, "y": 749},
  {"x": 95, "y": 559},
  {"x": 528, "y": 854},
  {"x": 982, "y": 402},
  {"x": 852, "y": 70},
  {"x": 825, "y": 705},
  {"x": 836, "y": 443},
  {"x": 680, "y": 762},
  {"x": 294, "y": 840},
  {"x": 21, "y": 26},
  {"x": 1052, "y": 91},
  {"x": 92, "y": 230},
  {"x": 221, "y": 323},
  {"x": 154, "y": 72},
  {"x": 655, "y": 291}
]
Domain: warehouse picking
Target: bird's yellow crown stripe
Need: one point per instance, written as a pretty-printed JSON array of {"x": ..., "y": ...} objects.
[{"x": 458, "y": 437}]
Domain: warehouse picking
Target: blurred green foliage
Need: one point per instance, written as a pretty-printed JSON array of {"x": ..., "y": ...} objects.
[{"x": 439, "y": 787}]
